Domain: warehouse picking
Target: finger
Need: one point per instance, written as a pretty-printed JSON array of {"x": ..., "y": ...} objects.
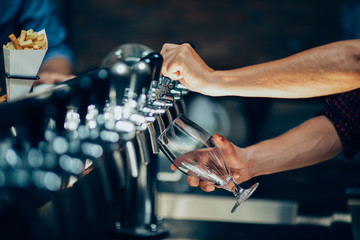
[
  {"x": 170, "y": 67},
  {"x": 173, "y": 55},
  {"x": 236, "y": 176},
  {"x": 207, "y": 186},
  {"x": 168, "y": 46},
  {"x": 193, "y": 181},
  {"x": 173, "y": 167},
  {"x": 52, "y": 78}
]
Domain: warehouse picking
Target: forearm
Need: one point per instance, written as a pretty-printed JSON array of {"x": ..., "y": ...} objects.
[
  {"x": 57, "y": 65},
  {"x": 53, "y": 71},
  {"x": 314, "y": 141},
  {"x": 324, "y": 70}
]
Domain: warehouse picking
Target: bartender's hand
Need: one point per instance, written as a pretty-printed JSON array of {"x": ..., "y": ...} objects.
[
  {"x": 54, "y": 71},
  {"x": 52, "y": 78},
  {"x": 236, "y": 159},
  {"x": 182, "y": 63}
]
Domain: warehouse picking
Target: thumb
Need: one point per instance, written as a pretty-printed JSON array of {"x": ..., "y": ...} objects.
[{"x": 226, "y": 146}]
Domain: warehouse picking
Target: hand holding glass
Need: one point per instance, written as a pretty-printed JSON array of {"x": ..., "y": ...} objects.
[{"x": 193, "y": 151}]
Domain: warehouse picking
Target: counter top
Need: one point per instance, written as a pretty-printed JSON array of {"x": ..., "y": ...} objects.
[{"x": 208, "y": 230}]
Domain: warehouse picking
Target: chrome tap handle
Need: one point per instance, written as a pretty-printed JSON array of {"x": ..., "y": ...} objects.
[
  {"x": 176, "y": 108},
  {"x": 153, "y": 138},
  {"x": 166, "y": 81},
  {"x": 131, "y": 159},
  {"x": 169, "y": 116},
  {"x": 182, "y": 107},
  {"x": 161, "y": 123},
  {"x": 144, "y": 153},
  {"x": 119, "y": 162}
]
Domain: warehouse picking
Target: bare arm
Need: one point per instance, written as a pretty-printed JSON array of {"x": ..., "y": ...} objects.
[
  {"x": 54, "y": 71},
  {"x": 323, "y": 70},
  {"x": 312, "y": 142}
]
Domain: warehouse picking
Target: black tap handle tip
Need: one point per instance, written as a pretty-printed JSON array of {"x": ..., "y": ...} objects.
[
  {"x": 119, "y": 79},
  {"x": 155, "y": 60},
  {"x": 141, "y": 77},
  {"x": 155, "y": 56}
]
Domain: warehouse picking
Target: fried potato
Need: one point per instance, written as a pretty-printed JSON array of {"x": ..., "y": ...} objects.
[
  {"x": 41, "y": 37},
  {"x": 40, "y": 43},
  {"x": 31, "y": 34},
  {"x": 26, "y": 43},
  {"x": 9, "y": 45},
  {"x": 15, "y": 41},
  {"x": 3, "y": 98},
  {"x": 28, "y": 40},
  {"x": 22, "y": 36}
]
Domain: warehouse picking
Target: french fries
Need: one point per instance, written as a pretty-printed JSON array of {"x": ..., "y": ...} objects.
[
  {"x": 15, "y": 42},
  {"x": 28, "y": 40},
  {"x": 3, "y": 98}
]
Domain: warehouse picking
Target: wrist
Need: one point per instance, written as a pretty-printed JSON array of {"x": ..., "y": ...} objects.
[
  {"x": 214, "y": 86},
  {"x": 256, "y": 168}
]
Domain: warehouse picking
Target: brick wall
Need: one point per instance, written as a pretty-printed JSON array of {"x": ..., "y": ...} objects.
[{"x": 226, "y": 33}]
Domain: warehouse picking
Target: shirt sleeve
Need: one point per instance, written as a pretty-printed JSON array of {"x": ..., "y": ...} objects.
[
  {"x": 343, "y": 110},
  {"x": 41, "y": 14}
]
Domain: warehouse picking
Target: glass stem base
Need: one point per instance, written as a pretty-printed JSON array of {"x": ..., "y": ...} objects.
[{"x": 242, "y": 194}]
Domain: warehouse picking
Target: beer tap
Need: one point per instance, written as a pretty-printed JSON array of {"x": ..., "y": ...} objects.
[
  {"x": 119, "y": 81},
  {"x": 159, "y": 100},
  {"x": 156, "y": 105},
  {"x": 139, "y": 212},
  {"x": 178, "y": 91},
  {"x": 139, "y": 83},
  {"x": 175, "y": 91}
]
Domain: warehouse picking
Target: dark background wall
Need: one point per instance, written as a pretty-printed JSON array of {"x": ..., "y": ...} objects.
[{"x": 227, "y": 33}]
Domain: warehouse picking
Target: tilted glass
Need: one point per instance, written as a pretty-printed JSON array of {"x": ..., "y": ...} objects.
[{"x": 193, "y": 151}]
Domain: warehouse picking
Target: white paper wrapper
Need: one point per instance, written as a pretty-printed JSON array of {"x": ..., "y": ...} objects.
[{"x": 24, "y": 63}]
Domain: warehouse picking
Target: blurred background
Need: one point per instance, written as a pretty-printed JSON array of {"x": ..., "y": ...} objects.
[{"x": 228, "y": 34}]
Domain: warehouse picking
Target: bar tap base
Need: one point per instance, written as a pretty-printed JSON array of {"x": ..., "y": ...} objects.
[{"x": 157, "y": 232}]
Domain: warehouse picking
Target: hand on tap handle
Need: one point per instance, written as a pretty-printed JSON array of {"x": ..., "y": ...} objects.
[{"x": 181, "y": 62}]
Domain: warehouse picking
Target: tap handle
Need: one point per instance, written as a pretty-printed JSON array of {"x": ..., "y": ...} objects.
[
  {"x": 81, "y": 95},
  {"x": 119, "y": 162},
  {"x": 101, "y": 87},
  {"x": 176, "y": 108},
  {"x": 161, "y": 124},
  {"x": 182, "y": 107},
  {"x": 169, "y": 116},
  {"x": 144, "y": 153},
  {"x": 140, "y": 79},
  {"x": 119, "y": 81},
  {"x": 153, "y": 139},
  {"x": 131, "y": 159}
]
